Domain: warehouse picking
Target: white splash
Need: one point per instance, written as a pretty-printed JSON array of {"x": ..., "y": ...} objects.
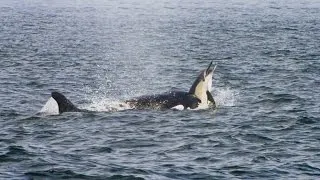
[
  {"x": 107, "y": 106},
  {"x": 225, "y": 96}
]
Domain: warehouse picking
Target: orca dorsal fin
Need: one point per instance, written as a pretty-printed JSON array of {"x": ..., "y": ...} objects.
[{"x": 64, "y": 104}]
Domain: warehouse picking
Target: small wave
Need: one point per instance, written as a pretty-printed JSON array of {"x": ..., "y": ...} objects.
[
  {"x": 239, "y": 172},
  {"x": 307, "y": 120},
  {"x": 307, "y": 168},
  {"x": 290, "y": 29},
  {"x": 9, "y": 113},
  {"x": 102, "y": 149},
  {"x": 121, "y": 177},
  {"x": 191, "y": 175},
  {"x": 60, "y": 173},
  {"x": 256, "y": 138},
  {"x": 15, "y": 154},
  {"x": 277, "y": 98},
  {"x": 260, "y": 159}
]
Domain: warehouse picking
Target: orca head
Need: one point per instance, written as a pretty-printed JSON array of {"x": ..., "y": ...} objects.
[
  {"x": 202, "y": 86},
  {"x": 58, "y": 104}
]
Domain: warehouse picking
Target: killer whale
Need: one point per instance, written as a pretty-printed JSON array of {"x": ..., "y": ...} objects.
[{"x": 198, "y": 97}]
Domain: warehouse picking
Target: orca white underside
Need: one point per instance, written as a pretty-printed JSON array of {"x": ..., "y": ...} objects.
[
  {"x": 50, "y": 108},
  {"x": 178, "y": 107},
  {"x": 200, "y": 107}
]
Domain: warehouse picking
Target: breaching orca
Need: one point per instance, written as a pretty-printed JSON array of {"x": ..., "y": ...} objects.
[{"x": 198, "y": 97}]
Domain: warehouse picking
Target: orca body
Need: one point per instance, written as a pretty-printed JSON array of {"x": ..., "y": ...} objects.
[
  {"x": 165, "y": 101},
  {"x": 198, "y": 97}
]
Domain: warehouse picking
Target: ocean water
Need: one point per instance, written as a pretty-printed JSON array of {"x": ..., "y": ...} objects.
[{"x": 100, "y": 53}]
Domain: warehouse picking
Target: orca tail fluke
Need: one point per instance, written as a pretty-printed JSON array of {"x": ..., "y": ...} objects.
[{"x": 64, "y": 104}]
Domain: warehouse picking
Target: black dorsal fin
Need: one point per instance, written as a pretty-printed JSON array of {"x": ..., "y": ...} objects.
[{"x": 64, "y": 104}]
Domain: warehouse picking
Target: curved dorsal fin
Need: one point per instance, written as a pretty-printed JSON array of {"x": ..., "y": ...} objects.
[{"x": 64, "y": 104}]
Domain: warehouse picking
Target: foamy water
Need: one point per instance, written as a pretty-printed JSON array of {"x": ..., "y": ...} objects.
[
  {"x": 226, "y": 96},
  {"x": 107, "y": 105}
]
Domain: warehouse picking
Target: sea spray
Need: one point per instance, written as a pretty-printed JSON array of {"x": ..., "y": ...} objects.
[{"x": 225, "y": 96}]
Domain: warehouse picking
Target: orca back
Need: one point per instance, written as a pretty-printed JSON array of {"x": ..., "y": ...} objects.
[{"x": 165, "y": 101}]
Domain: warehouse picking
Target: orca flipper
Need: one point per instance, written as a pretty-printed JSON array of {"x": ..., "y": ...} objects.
[
  {"x": 64, "y": 104},
  {"x": 210, "y": 98}
]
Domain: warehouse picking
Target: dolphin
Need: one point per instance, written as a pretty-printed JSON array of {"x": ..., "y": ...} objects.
[{"x": 198, "y": 97}]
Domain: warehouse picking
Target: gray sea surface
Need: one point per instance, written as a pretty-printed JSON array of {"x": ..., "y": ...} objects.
[{"x": 100, "y": 53}]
